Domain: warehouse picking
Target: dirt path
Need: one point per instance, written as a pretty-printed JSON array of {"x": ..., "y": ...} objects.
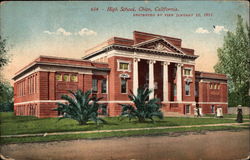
[{"x": 217, "y": 145}]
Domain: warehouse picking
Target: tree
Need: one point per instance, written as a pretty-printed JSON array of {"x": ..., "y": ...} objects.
[
  {"x": 6, "y": 90},
  {"x": 81, "y": 107},
  {"x": 143, "y": 108},
  {"x": 234, "y": 61},
  {"x": 3, "y": 53},
  {"x": 6, "y": 97}
]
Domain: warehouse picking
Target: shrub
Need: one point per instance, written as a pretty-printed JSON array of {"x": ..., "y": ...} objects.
[
  {"x": 143, "y": 108},
  {"x": 82, "y": 107}
]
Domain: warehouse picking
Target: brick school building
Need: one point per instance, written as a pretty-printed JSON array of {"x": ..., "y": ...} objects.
[{"x": 117, "y": 66}]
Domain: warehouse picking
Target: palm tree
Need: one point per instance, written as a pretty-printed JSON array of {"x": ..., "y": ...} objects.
[
  {"x": 143, "y": 108},
  {"x": 80, "y": 107}
]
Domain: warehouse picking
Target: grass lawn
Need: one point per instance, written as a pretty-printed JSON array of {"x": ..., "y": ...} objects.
[
  {"x": 230, "y": 116},
  {"x": 11, "y": 124},
  {"x": 152, "y": 132}
]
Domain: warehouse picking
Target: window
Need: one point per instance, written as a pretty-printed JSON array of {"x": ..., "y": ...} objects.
[
  {"x": 196, "y": 92},
  {"x": 187, "y": 72},
  {"x": 123, "y": 65},
  {"x": 66, "y": 77},
  {"x": 58, "y": 77},
  {"x": 123, "y": 86},
  {"x": 187, "y": 109},
  {"x": 73, "y": 78},
  {"x": 94, "y": 85},
  {"x": 175, "y": 90},
  {"x": 215, "y": 86},
  {"x": 211, "y": 86},
  {"x": 104, "y": 86},
  {"x": 174, "y": 72},
  {"x": 212, "y": 109},
  {"x": 187, "y": 89}
]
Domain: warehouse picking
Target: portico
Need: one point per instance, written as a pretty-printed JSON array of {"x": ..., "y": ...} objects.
[{"x": 150, "y": 78}]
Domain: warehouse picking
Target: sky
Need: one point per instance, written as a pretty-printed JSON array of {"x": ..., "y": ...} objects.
[{"x": 67, "y": 29}]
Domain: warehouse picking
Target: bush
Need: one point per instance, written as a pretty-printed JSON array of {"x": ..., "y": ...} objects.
[
  {"x": 143, "y": 108},
  {"x": 82, "y": 107}
]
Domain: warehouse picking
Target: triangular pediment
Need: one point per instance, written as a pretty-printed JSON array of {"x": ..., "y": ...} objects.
[{"x": 159, "y": 44}]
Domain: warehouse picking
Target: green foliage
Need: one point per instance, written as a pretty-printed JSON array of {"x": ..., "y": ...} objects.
[
  {"x": 3, "y": 53},
  {"x": 82, "y": 107},
  {"x": 234, "y": 61},
  {"x": 143, "y": 108},
  {"x": 6, "y": 97}
]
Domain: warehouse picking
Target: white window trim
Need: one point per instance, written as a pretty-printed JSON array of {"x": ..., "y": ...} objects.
[
  {"x": 122, "y": 61},
  {"x": 191, "y": 71}
]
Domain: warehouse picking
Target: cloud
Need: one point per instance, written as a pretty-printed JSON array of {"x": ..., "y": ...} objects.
[
  {"x": 218, "y": 29},
  {"x": 59, "y": 31},
  {"x": 62, "y": 31},
  {"x": 86, "y": 31},
  {"x": 201, "y": 30}
]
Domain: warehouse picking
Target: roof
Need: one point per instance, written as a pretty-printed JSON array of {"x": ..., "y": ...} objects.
[
  {"x": 60, "y": 61},
  {"x": 139, "y": 39},
  {"x": 210, "y": 76}
]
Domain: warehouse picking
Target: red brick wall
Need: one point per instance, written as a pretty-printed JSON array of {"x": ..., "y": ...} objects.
[
  {"x": 192, "y": 84},
  {"x": 44, "y": 85},
  {"x": 115, "y": 80},
  {"x": 28, "y": 94},
  {"x": 212, "y": 95},
  {"x": 46, "y": 110},
  {"x": 52, "y": 86},
  {"x": 87, "y": 82}
]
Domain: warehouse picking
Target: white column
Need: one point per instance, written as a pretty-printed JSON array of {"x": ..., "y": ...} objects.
[
  {"x": 165, "y": 81},
  {"x": 179, "y": 82},
  {"x": 135, "y": 75},
  {"x": 151, "y": 78}
]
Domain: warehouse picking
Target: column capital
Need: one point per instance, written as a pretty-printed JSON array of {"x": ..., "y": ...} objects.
[
  {"x": 165, "y": 63},
  {"x": 179, "y": 64},
  {"x": 151, "y": 61},
  {"x": 137, "y": 59}
]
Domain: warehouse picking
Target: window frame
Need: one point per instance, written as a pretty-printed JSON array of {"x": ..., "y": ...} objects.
[
  {"x": 74, "y": 75},
  {"x": 94, "y": 91},
  {"x": 123, "y": 61},
  {"x": 68, "y": 79},
  {"x": 106, "y": 91},
  {"x": 126, "y": 85},
  {"x": 212, "y": 108},
  {"x": 189, "y": 85},
  {"x": 191, "y": 71},
  {"x": 189, "y": 109},
  {"x": 175, "y": 89}
]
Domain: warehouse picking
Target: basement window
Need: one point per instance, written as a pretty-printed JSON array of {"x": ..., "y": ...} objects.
[{"x": 187, "y": 109}]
